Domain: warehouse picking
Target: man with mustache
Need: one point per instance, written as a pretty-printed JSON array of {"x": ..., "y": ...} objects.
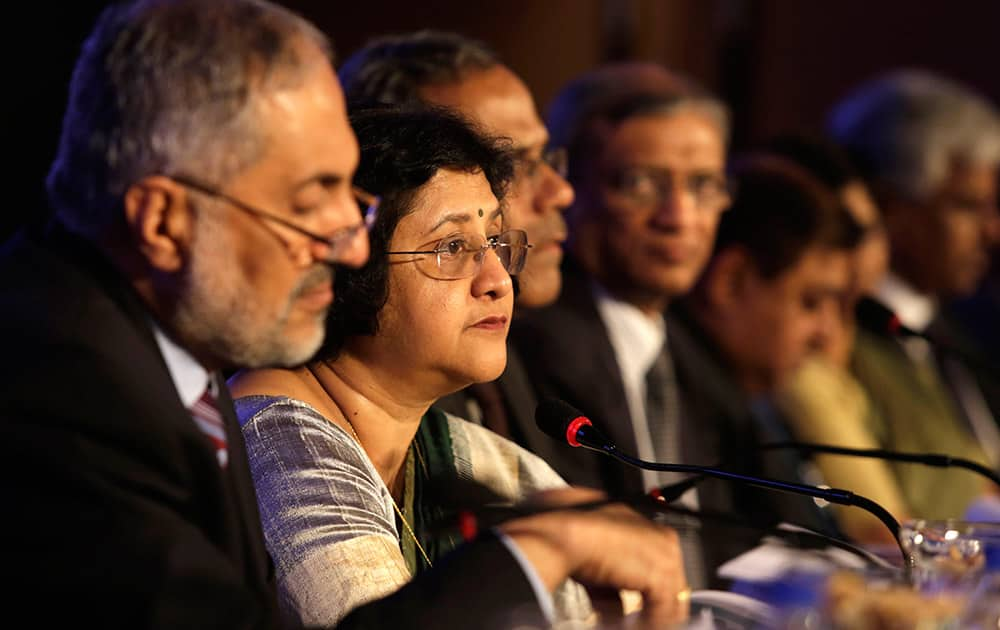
[
  {"x": 202, "y": 192},
  {"x": 449, "y": 70}
]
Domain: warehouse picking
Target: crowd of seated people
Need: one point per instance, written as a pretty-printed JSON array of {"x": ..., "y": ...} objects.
[{"x": 395, "y": 263}]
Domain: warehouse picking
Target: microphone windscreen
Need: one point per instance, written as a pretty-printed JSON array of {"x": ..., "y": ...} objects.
[
  {"x": 875, "y": 316},
  {"x": 553, "y": 417}
]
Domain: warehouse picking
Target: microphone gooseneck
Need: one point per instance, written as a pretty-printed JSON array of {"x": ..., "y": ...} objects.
[
  {"x": 564, "y": 423},
  {"x": 874, "y": 316},
  {"x": 928, "y": 459},
  {"x": 473, "y": 508}
]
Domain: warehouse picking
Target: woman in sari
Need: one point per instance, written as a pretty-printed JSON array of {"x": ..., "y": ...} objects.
[{"x": 348, "y": 457}]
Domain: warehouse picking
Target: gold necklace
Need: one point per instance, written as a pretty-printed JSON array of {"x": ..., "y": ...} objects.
[{"x": 402, "y": 518}]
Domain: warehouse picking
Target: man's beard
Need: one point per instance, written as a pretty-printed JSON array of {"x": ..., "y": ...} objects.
[{"x": 218, "y": 313}]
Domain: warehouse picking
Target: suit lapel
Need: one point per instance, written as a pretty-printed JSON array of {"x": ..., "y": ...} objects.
[
  {"x": 589, "y": 367},
  {"x": 253, "y": 556},
  {"x": 596, "y": 374},
  {"x": 229, "y": 506}
]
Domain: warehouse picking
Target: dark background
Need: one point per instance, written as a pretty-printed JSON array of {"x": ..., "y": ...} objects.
[{"x": 779, "y": 63}]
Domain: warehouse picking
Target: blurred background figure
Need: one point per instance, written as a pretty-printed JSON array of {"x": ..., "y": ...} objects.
[
  {"x": 828, "y": 163},
  {"x": 739, "y": 49},
  {"x": 646, "y": 153},
  {"x": 447, "y": 69},
  {"x": 929, "y": 150},
  {"x": 822, "y": 401},
  {"x": 771, "y": 296},
  {"x": 979, "y": 313}
]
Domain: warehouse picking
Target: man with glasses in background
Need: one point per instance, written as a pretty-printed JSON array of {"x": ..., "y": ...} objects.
[
  {"x": 449, "y": 70},
  {"x": 647, "y": 161},
  {"x": 202, "y": 195}
]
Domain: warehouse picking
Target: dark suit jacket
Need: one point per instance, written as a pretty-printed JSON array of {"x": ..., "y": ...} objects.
[
  {"x": 957, "y": 342},
  {"x": 737, "y": 425},
  {"x": 567, "y": 353},
  {"x": 977, "y": 316},
  {"x": 117, "y": 513},
  {"x": 120, "y": 511}
]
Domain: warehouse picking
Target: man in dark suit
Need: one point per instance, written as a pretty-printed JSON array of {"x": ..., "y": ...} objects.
[
  {"x": 450, "y": 70},
  {"x": 646, "y": 159},
  {"x": 202, "y": 193}
]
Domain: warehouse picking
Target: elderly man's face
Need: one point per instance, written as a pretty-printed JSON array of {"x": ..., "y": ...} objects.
[
  {"x": 255, "y": 292},
  {"x": 943, "y": 245},
  {"x": 652, "y": 205},
  {"x": 500, "y": 102}
]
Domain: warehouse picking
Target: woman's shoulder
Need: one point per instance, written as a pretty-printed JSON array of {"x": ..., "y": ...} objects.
[
  {"x": 494, "y": 460},
  {"x": 288, "y": 440},
  {"x": 271, "y": 391},
  {"x": 259, "y": 407},
  {"x": 281, "y": 423}
]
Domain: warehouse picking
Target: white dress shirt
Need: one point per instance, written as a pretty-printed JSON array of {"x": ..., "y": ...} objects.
[
  {"x": 190, "y": 378},
  {"x": 637, "y": 340},
  {"x": 914, "y": 309}
]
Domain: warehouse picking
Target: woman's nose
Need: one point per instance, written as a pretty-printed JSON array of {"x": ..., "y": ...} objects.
[{"x": 492, "y": 277}]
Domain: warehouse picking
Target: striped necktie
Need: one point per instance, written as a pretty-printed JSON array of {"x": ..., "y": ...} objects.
[{"x": 205, "y": 412}]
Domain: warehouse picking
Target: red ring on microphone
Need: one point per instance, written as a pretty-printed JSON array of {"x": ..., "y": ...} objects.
[
  {"x": 894, "y": 324},
  {"x": 468, "y": 525},
  {"x": 574, "y": 426}
]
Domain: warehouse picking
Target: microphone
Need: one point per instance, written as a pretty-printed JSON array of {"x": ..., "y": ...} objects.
[
  {"x": 472, "y": 508},
  {"x": 928, "y": 459},
  {"x": 564, "y": 423},
  {"x": 877, "y": 317}
]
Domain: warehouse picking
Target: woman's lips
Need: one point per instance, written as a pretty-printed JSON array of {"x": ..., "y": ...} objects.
[{"x": 492, "y": 323}]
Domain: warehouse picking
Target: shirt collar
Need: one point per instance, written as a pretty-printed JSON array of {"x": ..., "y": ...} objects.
[
  {"x": 190, "y": 378},
  {"x": 636, "y": 337},
  {"x": 914, "y": 309}
]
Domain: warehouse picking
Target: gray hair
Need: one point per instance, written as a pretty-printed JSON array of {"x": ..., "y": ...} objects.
[
  {"x": 616, "y": 92},
  {"x": 392, "y": 69},
  {"x": 904, "y": 129},
  {"x": 167, "y": 87}
]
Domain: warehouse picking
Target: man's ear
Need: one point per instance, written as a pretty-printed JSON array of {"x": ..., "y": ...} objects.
[
  {"x": 160, "y": 221},
  {"x": 730, "y": 276}
]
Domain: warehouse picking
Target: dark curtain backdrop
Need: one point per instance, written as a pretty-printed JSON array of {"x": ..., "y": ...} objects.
[{"x": 779, "y": 63}]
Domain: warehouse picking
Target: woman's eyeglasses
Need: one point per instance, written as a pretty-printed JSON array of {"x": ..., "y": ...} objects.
[{"x": 461, "y": 255}]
